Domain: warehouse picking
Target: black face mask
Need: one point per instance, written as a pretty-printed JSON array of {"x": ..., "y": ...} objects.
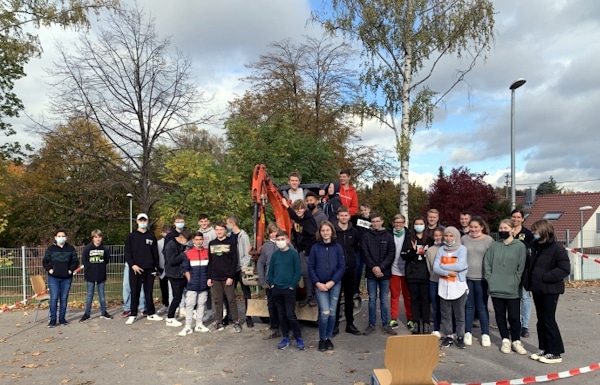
[
  {"x": 504, "y": 234},
  {"x": 311, "y": 206}
]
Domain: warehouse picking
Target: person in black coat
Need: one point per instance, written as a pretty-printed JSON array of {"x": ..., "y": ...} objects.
[{"x": 548, "y": 267}]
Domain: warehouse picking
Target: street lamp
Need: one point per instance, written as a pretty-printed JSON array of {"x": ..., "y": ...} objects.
[
  {"x": 513, "y": 192},
  {"x": 581, "y": 210},
  {"x": 130, "y": 196}
]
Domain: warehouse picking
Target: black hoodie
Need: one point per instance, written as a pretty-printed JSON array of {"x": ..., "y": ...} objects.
[
  {"x": 349, "y": 239},
  {"x": 60, "y": 260}
]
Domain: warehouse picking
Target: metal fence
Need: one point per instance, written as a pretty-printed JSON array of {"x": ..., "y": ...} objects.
[{"x": 18, "y": 265}]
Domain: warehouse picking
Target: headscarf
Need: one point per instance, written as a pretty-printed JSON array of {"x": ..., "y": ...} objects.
[{"x": 456, "y": 233}]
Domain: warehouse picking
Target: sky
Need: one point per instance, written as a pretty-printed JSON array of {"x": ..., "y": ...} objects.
[{"x": 550, "y": 43}]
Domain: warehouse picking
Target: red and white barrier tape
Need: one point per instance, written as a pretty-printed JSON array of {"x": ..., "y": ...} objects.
[
  {"x": 536, "y": 379},
  {"x": 21, "y": 303},
  {"x": 574, "y": 251}
]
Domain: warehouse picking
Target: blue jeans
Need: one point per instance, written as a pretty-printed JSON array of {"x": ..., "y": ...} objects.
[
  {"x": 59, "y": 289},
  {"x": 127, "y": 293},
  {"x": 435, "y": 305},
  {"x": 384, "y": 302},
  {"x": 476, "y": 302},
  {"x": 525, "y": 308},
  {"x": 90, "y": 296},
  {"x": 327, "y": 301}
]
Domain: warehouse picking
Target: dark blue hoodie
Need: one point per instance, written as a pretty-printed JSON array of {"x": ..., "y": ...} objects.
[{"x": 326, "y": 262}]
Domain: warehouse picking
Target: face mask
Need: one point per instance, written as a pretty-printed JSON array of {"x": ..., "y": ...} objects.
[
  {"x": 437, "y": 243},
  {"x": 536, "y": 236},
  {"x": 142, "y": 225},
  {"x": 311, "y": 206},
  {"x": 179, "y": 225},
  {"x": 281, "y": 244},
  {"x": 450, "y": 244},
  {"x": 504, "y": 234},
  {"x": 474, "y": 235},
  {"x": 419, "y": 228},
  {"x": 229, "y": 228},
  {"x": 61, "y": 240}
]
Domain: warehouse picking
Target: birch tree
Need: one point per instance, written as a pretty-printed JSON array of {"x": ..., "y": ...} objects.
[{"x": 403, "y": 43}]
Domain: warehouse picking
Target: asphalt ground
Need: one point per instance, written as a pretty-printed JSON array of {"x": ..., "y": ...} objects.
[{"x": 103, "y": 351}]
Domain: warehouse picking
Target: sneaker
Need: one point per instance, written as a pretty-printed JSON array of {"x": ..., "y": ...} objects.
[
  {"x": 447, "y": 342},
  {"x": 353, "y": 330},
  {"x": 537, "y": 355},
  {"x": 387, "y": 329},
  {"x": 426, "y": 328},
  {"x": 156, "y": 317},
  {"x": 369, "y": 330},
  {"x": 85, "y": 317},
  {"x": 130, "y": 320},
  {"x": 52, "y": 324},
  {"x": 460, "y": 343},
  {"x": 322, "y": 346},
  {"x": 393, "y": 324},
  {"x": 305, "y": 301},
  {"x": 172, "y": 322},
  {"x": 312, "y": 301},
  {"x": 485, "y": 341},
  {"x": 468, "y": 339},
  {"x": 106, "y": 315},
  {"x": 517, "y": 346},
  {"x": 125, "y": 314},
  {"x": 550, "y": 358},
  {"x": 249, "y": 322},
  {"x": 237, "y": 327},
  {"x": 219, "y": 327},
  {"x": 437, "y": 334},
  {"x": 185, "y": 332},
  {"x": 505, "y": 348},
  {"x": 201, "y": 328},
  {"x": 285, "y": 342},
  {"x": 524, "y": 332},
  {"x": 271, "y": 334},
  {"x": 328, "y": 344},
  {"x": 300, "y": 344},
  {"x": 410, "y": 325},
  {"x": 64, "y": 322}
]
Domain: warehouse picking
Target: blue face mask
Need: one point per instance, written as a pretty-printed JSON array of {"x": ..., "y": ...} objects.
[
  {"x": 142, "y": 225},
  {"x": 179, "y": 225},
  {"x": 61, "y": 240},
  {"x": 229, "y": 228},
  {"x": 536, "y": 236},
  {"x": 450, "y": 244},
  {"x": 419, "y": 228}
]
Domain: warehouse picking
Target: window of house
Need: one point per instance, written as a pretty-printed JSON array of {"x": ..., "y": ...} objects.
[{"x": 552, "y": 215}]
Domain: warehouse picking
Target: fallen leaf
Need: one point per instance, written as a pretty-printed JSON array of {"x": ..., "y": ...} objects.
[
  {"x": 228, "y": 370},
  {"x": 18, "y": 325},
  {"x": 65, "y": 381},
  {"x": 35, "y": 354},
  {"x": 350, "y": 370},
  {"x": 48, "y": 339},
  {"x": 31, "y": 366},
  {"x": 271, "y": 379}
]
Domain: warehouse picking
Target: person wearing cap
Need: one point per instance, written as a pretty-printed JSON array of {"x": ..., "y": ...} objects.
[{"x": 141, "y": 253}]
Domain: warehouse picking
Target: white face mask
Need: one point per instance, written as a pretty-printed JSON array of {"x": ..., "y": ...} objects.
[
  {"x": 281, "y": 244},
  {"x": 61, "y": 240},
  {"x": 142, "y": 225},
  {"x": 180, "y": 225}
]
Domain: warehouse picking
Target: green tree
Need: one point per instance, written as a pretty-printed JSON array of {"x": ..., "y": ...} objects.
[
  {"x": 17, "y": 46},
  {"x": 548, "y": 187},
  {"x": 383, "y": 198},
  {"x": 403, "y": 41},
  {"x": 75, "y": 181}
]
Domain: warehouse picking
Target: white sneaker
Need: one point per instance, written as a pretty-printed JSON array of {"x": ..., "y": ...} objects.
[
  {"x": 173, "y": 322},
  {"x": 185, "y": 332},
  {"x": 130, "y": 320},
  {"x": 537, "y": 355},
  {"x": 201, "y": 328},
  {"x": 154, "y": 317},
  {"x": 437, "y": 334},
  {"x": 468, "y": 339},
  {"x": 518, "y": 347},
  {"x": 505, "y": 348},
  {"x": 485, "y": 341}
]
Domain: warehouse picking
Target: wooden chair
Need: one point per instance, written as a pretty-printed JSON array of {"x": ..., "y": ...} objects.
[
  {"x": 39, "y": 285},
  {"x": 409, "y": 360}
]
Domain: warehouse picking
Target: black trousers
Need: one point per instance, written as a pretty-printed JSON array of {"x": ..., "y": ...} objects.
[
  {"x": 419, "y": 301},
  {"x": 144, "y": 280},
  {"x": 512, "y": 307},
  {"x": 164, "y": 291},
  {"x": 273, "y": 314},
  {"x": 348, "y": 285},
  {"x": 549, "y": 338},
  {"x": 177, "y": 286},
  {"x": 285, "y": 301}
]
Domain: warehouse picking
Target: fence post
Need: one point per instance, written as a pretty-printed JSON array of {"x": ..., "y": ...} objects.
[
  {"x": 572, "y": 275},
  {"x": 23, "y": 273}
]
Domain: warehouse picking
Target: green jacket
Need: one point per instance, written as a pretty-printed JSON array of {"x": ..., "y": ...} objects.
[{"x": 503, "y": 267}]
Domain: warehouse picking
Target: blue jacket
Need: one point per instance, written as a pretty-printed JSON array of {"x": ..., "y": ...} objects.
[
  {"x": 326, "y": 262},
  {"x": 460, "y": 266}
]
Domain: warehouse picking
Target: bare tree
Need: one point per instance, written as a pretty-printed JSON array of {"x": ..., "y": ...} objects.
[{"x": 126, "y": 80}]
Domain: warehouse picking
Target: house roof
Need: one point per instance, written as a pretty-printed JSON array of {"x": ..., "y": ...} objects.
[{"x": 567, "y": 205}]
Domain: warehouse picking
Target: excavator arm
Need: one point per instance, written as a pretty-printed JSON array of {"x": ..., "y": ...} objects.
[{"x": 264, "y": 191}]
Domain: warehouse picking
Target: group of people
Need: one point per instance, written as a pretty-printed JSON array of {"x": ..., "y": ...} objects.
[{"x": 445, "y": 275}]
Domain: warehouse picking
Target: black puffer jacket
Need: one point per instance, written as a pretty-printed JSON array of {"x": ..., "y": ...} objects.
[
  {"x": 378, "y": 249},
  {"x": 548, "y": 268},
  {"x": 174, "y": 257}
]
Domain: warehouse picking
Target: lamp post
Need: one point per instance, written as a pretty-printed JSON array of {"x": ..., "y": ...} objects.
[
  {"x": 581, "y": 210},
  {"x": 130, "y": 196},
  {"x": 513, "y": 194}
]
